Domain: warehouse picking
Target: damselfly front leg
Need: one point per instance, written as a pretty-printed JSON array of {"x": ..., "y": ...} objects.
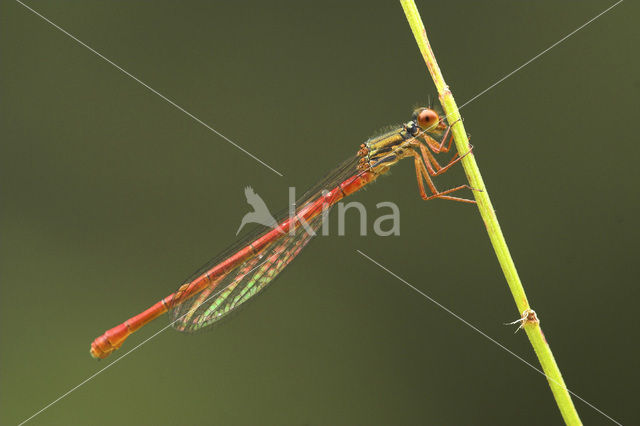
[
  {"x": 429, "y": 119},
  {"x": 440, "y": 147}
]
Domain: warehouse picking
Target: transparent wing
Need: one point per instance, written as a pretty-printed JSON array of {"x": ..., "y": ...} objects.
[
  {"x": 226, "y": 292},
  {"x": 233, "y": 289}
]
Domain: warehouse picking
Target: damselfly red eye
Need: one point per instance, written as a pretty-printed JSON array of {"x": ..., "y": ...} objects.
[{"x": 427, "y": 118}]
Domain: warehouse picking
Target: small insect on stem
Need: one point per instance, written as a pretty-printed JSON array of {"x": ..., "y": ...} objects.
[{"x": 528, "y": 317}]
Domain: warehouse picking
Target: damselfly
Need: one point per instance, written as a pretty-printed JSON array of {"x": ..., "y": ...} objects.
[{"x": 244, "y": 269}]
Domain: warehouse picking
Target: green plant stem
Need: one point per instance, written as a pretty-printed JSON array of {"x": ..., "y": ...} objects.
[{"x": 532, "y": 328}]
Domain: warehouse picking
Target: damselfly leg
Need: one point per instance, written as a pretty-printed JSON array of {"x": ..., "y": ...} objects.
[{"x": 427, "y": 165}]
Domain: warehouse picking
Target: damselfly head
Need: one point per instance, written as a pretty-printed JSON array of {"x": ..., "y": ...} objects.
[{"x": 428, "y": 119}]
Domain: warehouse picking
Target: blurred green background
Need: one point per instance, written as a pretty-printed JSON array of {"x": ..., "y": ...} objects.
[{"x": 111, "y": 196}]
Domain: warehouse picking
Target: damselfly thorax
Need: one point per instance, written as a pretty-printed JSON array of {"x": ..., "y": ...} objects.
[
  {"x": 383, "y": 151},
  {"x": 417, "y": 139}
]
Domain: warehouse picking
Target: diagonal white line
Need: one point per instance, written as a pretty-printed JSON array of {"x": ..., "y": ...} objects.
[
  {"x": 92, "y": 376},
  {"x": 540, "y": 54},
  {"x": 152, "y": 89},
  {"x": 467, "y": 323},
  {"x": 88, "y": 379}
]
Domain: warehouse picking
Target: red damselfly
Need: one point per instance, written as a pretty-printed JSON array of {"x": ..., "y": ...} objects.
[{"x": 240, "y": 272}]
